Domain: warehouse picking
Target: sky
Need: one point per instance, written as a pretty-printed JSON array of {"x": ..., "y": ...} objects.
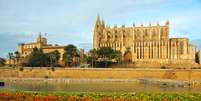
[{"x": 72, "y": 21}]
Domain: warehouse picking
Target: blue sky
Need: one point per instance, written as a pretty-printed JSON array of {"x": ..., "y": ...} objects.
[{"x": 72, "y": 21}]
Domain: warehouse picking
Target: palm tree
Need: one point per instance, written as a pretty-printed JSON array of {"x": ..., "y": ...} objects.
[
  {"x": 93, "y": 53},
  {"x": 54, "y": 57},
  {"x": 107, "y": 54},
  {"x": 117, "y": 56},
  {"x": 10, "y": 57},
  {"x": 17, "y": 57},
  {"x": 71, "y": 55},
  {"x": 2, "y": 61}
]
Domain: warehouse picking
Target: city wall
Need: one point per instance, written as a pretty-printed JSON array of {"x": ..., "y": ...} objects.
[{"x": 99, "y": 73}]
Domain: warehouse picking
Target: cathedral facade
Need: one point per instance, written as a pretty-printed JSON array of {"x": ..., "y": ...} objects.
[{"x": 144, "y": 43}]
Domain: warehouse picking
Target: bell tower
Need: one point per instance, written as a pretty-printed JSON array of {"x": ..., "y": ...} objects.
[
  {"x": 98, "y": 30},
  {"x": 41, "y": 41}
]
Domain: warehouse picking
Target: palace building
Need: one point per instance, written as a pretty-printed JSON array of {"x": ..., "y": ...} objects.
[
  {"x": 25, "y": 49},
  {"x": 144, "y": 44}
]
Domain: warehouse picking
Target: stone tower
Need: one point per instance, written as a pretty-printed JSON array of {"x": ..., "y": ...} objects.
[
  {"x": 41, "y": 41},
  {"x": 98, "y": 30}
]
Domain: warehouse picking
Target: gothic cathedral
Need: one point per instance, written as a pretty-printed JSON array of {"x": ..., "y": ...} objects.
[{"x": 144, "y": 43}]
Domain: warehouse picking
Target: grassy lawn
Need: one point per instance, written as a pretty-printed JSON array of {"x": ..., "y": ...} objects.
[{"x": 66, "y": 96}]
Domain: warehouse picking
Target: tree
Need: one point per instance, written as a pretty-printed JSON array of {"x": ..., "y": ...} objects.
[
  {"x": 2, "y": 61},
  {"x": 54, "y": 58},
  {"x": 10, "y": 57},
  {"x": 107, "y": 52},
  {"x": 93, "y": 57},
  {"x": 38, "y": 58},
  {"x": 71, "y": 55},
  {"x": 117, "y": 56},
  {"x": 106, "y": 56},
  {"x": 17, "y": 57}
]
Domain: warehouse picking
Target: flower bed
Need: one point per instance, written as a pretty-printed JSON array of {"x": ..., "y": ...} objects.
[{"x": 44, "y": 96}]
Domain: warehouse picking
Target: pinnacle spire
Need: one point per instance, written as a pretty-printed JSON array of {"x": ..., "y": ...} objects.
[
  {"x": 39, "y": 39},
  {"x": 39, "y": 35},
  {"x": 167, "y": 22},
  {"x": 98, "y": 21},
  {"x": 98, "y": 16},
  {"x": 103, "y": 24}
]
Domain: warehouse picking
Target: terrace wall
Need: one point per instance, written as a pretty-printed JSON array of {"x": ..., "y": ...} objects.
[{"x": 99, "y": 73}]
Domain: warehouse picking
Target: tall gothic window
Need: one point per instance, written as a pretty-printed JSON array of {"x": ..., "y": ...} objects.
[
  {"x": 165, "y": 31},
  {"x": 124, "y": 40},
  {"x": 115, "y": 31},
  {"x": 116, "y": 37},
  {"x": 162, "y": 34},
  {"x": 181, "y": 48},
  {"x": 146, "y": 36},
  {"x": 108, "y": 37}
]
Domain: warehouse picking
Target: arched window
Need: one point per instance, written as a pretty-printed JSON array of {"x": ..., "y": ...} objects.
[
  {"x": 115, "y": 31},
  {"x": 116, "y": 37},
  {"x": 146, "y": 32},
  {"x": 124, "y": 36},
  {"x": 108, "y": 37},
  {"x": 181, "y": 48},
  {"x": 164, "y": 44}
]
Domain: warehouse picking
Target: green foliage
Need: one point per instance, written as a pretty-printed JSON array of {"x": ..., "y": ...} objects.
[
  {"x": 2, "y": 61},
  {"x": 71, "y": 55},
  {"x": 105, "y": 64},
  {"x": 61, "y": 96},
  {"x": 109, "y": 53},
  {"x": 53, "y": 58},
  {"x": 10, "y": 57},
  {"x": 93, "y": 53},
  {"x": 17, "y": 54},
  {"x": 104, "y": 57},
  {"x": 17, "y": 57},
  {"x": 105, "y": 52},
  {"x": 89, "y": 59},
  {"x": 70, "y": 49},
  {"x": 38, "y": 59},
  {"x": 14, "y": 58},
  {"x": 116, "y": 55}
]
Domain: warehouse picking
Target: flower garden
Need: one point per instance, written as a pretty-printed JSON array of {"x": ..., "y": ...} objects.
[{"x": 48, "y": 96}]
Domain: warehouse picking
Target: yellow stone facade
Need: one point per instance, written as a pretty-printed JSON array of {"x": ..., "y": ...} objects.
[
  {"x": 41, "y": 43},
  {"x": 146, "y": 44}
]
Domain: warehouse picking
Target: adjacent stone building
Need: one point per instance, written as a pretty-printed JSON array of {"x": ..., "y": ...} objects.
[
  {"x": 25, "y": 49},
  {"x": 144, "y": 44}
]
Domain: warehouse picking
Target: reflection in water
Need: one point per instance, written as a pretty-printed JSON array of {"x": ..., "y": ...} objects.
[{"x": 85, "y": 85}]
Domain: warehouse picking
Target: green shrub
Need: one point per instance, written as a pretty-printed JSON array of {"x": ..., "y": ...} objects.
[{"x": 103, "y": 64}]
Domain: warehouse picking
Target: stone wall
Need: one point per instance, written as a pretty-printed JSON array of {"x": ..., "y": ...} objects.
[{"x": 76, "y": 73}]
